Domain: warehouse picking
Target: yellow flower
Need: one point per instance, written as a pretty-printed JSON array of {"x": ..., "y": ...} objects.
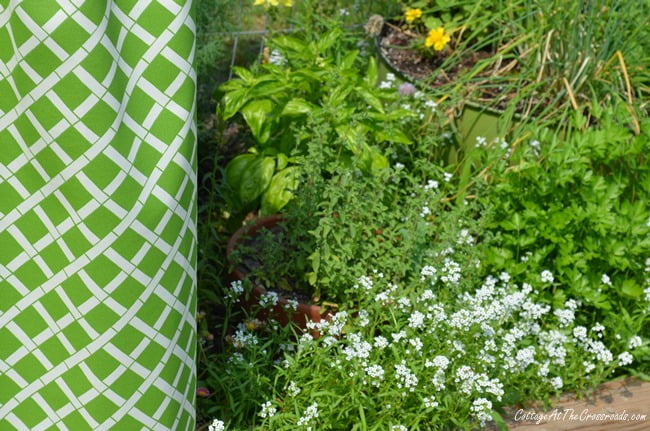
[
  {"x": 437, "y": 38},
  {"x": 412, "y": 14}
]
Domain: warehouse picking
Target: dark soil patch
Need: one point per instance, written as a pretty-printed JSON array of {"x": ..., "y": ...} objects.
[
  {"x": 396, "y": 47},
  {"x": 254, "y": 258}
]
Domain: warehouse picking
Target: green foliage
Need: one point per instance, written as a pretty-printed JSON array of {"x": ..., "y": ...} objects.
[
  {"x": 345, "y": 219},
  {"x": 353, "y": 167},
  {"x": 430, "y": 353},
  {"x": 579, "y": 209},
  {"x": 316, "y": 78},
  {"x": 572, "y": 54}
]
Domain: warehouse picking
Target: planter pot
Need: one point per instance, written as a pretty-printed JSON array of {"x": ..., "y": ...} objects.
[
  {"x": 475, "y": 119},
  {"x": 282, "y": 311}
]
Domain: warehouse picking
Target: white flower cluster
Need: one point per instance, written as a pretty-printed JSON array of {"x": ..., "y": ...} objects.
[
  {"x": 430, "y": 402},
  {"x": 557, "y": 383},
  {"x": 405, "y": 377},
  {"x": 291, "y": 304},
  {"x": 308, "y": 415},
  {"x": 606, "y": 280},
  {"x": 416, "y": 320},
  {"x": 244, "y": 337},
  {"x": 482, "y": 408},
  {"x": 428, "y": 271},
  {"x": 293, "y": 389},
  {"x": 625, "y": 358},
  {"x": 376, "y": 372},
  {"x": 217, "y": 425},
  {"x": 365, "y": 282},
  {"x": 269, "y": 299},
  {"x": 535, "y": 146},
  {"x": 431, "y": 184},
  {"x": 235, "y": 291},
  {"x": 388, "y": 82},
  {"x": 451, "y": 272},
  {"x": 472, "y": 345},
  {"x": 464, "y": 238},
  {"x": 635, "y": 342},
  {"x": 359, "y": 347},
  {"x": 547, "y": 276},
  {"x": 381, "y": 342},
  {"x": 502, "y": 143},
  {"x": 268, "y": 411}
]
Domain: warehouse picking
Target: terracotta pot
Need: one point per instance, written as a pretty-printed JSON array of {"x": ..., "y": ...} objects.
[{"x": 281, "y": 312}]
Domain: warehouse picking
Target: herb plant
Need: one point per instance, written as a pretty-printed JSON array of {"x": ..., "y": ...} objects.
[
  {"x": 578, "y": 206},
  {"x": 311, "y": 78}
]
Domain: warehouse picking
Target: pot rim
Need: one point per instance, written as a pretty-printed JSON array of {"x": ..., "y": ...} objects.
[
  {"x": 246, "y": 231},
  {"x": 420, "y": 83}
]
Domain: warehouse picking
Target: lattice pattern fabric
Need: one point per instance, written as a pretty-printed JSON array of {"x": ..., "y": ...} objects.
[{"x": 97, "y": 215}]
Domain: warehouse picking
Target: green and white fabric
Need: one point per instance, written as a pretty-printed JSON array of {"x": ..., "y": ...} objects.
[{"x": 97, "y": 215}]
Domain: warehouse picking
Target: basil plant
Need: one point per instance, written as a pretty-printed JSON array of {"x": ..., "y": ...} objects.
[{"x": 311, "y": 78}]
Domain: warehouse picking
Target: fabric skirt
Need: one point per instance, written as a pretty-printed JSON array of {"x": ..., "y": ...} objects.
[{"x": 97, "y": 215}]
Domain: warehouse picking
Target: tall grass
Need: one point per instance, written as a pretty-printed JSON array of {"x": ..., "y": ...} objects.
[{"x": 552, "y": 57}]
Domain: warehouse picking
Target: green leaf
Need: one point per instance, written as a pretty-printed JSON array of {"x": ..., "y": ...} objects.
[
  {"x": 279, "y": 192},
  {"x": 396, "y": 136},
  {"x": 282, "y": 161},
  {"x": 372, "y": 161},
  {"x": 243, "y": 73},
  {"x": 432, "y": 23},
  {"x": 498, "y": 420},
  {"x": 289, "y": 43},
  {"x": 372, "y": 72},
  {"x": 232, "y": 102},
  {"x": 348, "y": 61},
  {"x": 256, "y": 113},
  {"x": 268, "y": 88},
  {"x": 256, "y": 178},
  {"x": 328, "y": 39},
  {"x": 235, "y": 170},
  {"x": 297, "y": 106},
  {"x": 370, "y": 99},
  {"x": 631, "y": 289},
  {"x": 338, "y": 95}
]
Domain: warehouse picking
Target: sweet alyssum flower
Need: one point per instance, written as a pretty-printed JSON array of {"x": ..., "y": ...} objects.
[
  {"x": 412, "y": 14},
  {"x": 217, "y": 425},
  {"x": 635, "y": 342},
  {"x": 547, "y": 276},
  {"x": 268, "y": 410},
  {"x": 437, "y": 38},
  {"x": 625, "y": 358},
  {"x": 310, "y": 413}
]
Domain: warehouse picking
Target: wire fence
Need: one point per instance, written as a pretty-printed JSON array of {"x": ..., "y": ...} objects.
[{"x": 355, "y": 11}]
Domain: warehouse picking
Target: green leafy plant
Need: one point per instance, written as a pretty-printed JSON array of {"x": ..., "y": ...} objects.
[
  {"x": 312, "y": 78},
  {"x": 573, "y": 54},
  {"x": 577, "y": 205},
  {"x": 332, "y": 228},
  {"x": 441, "y": 349}
]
